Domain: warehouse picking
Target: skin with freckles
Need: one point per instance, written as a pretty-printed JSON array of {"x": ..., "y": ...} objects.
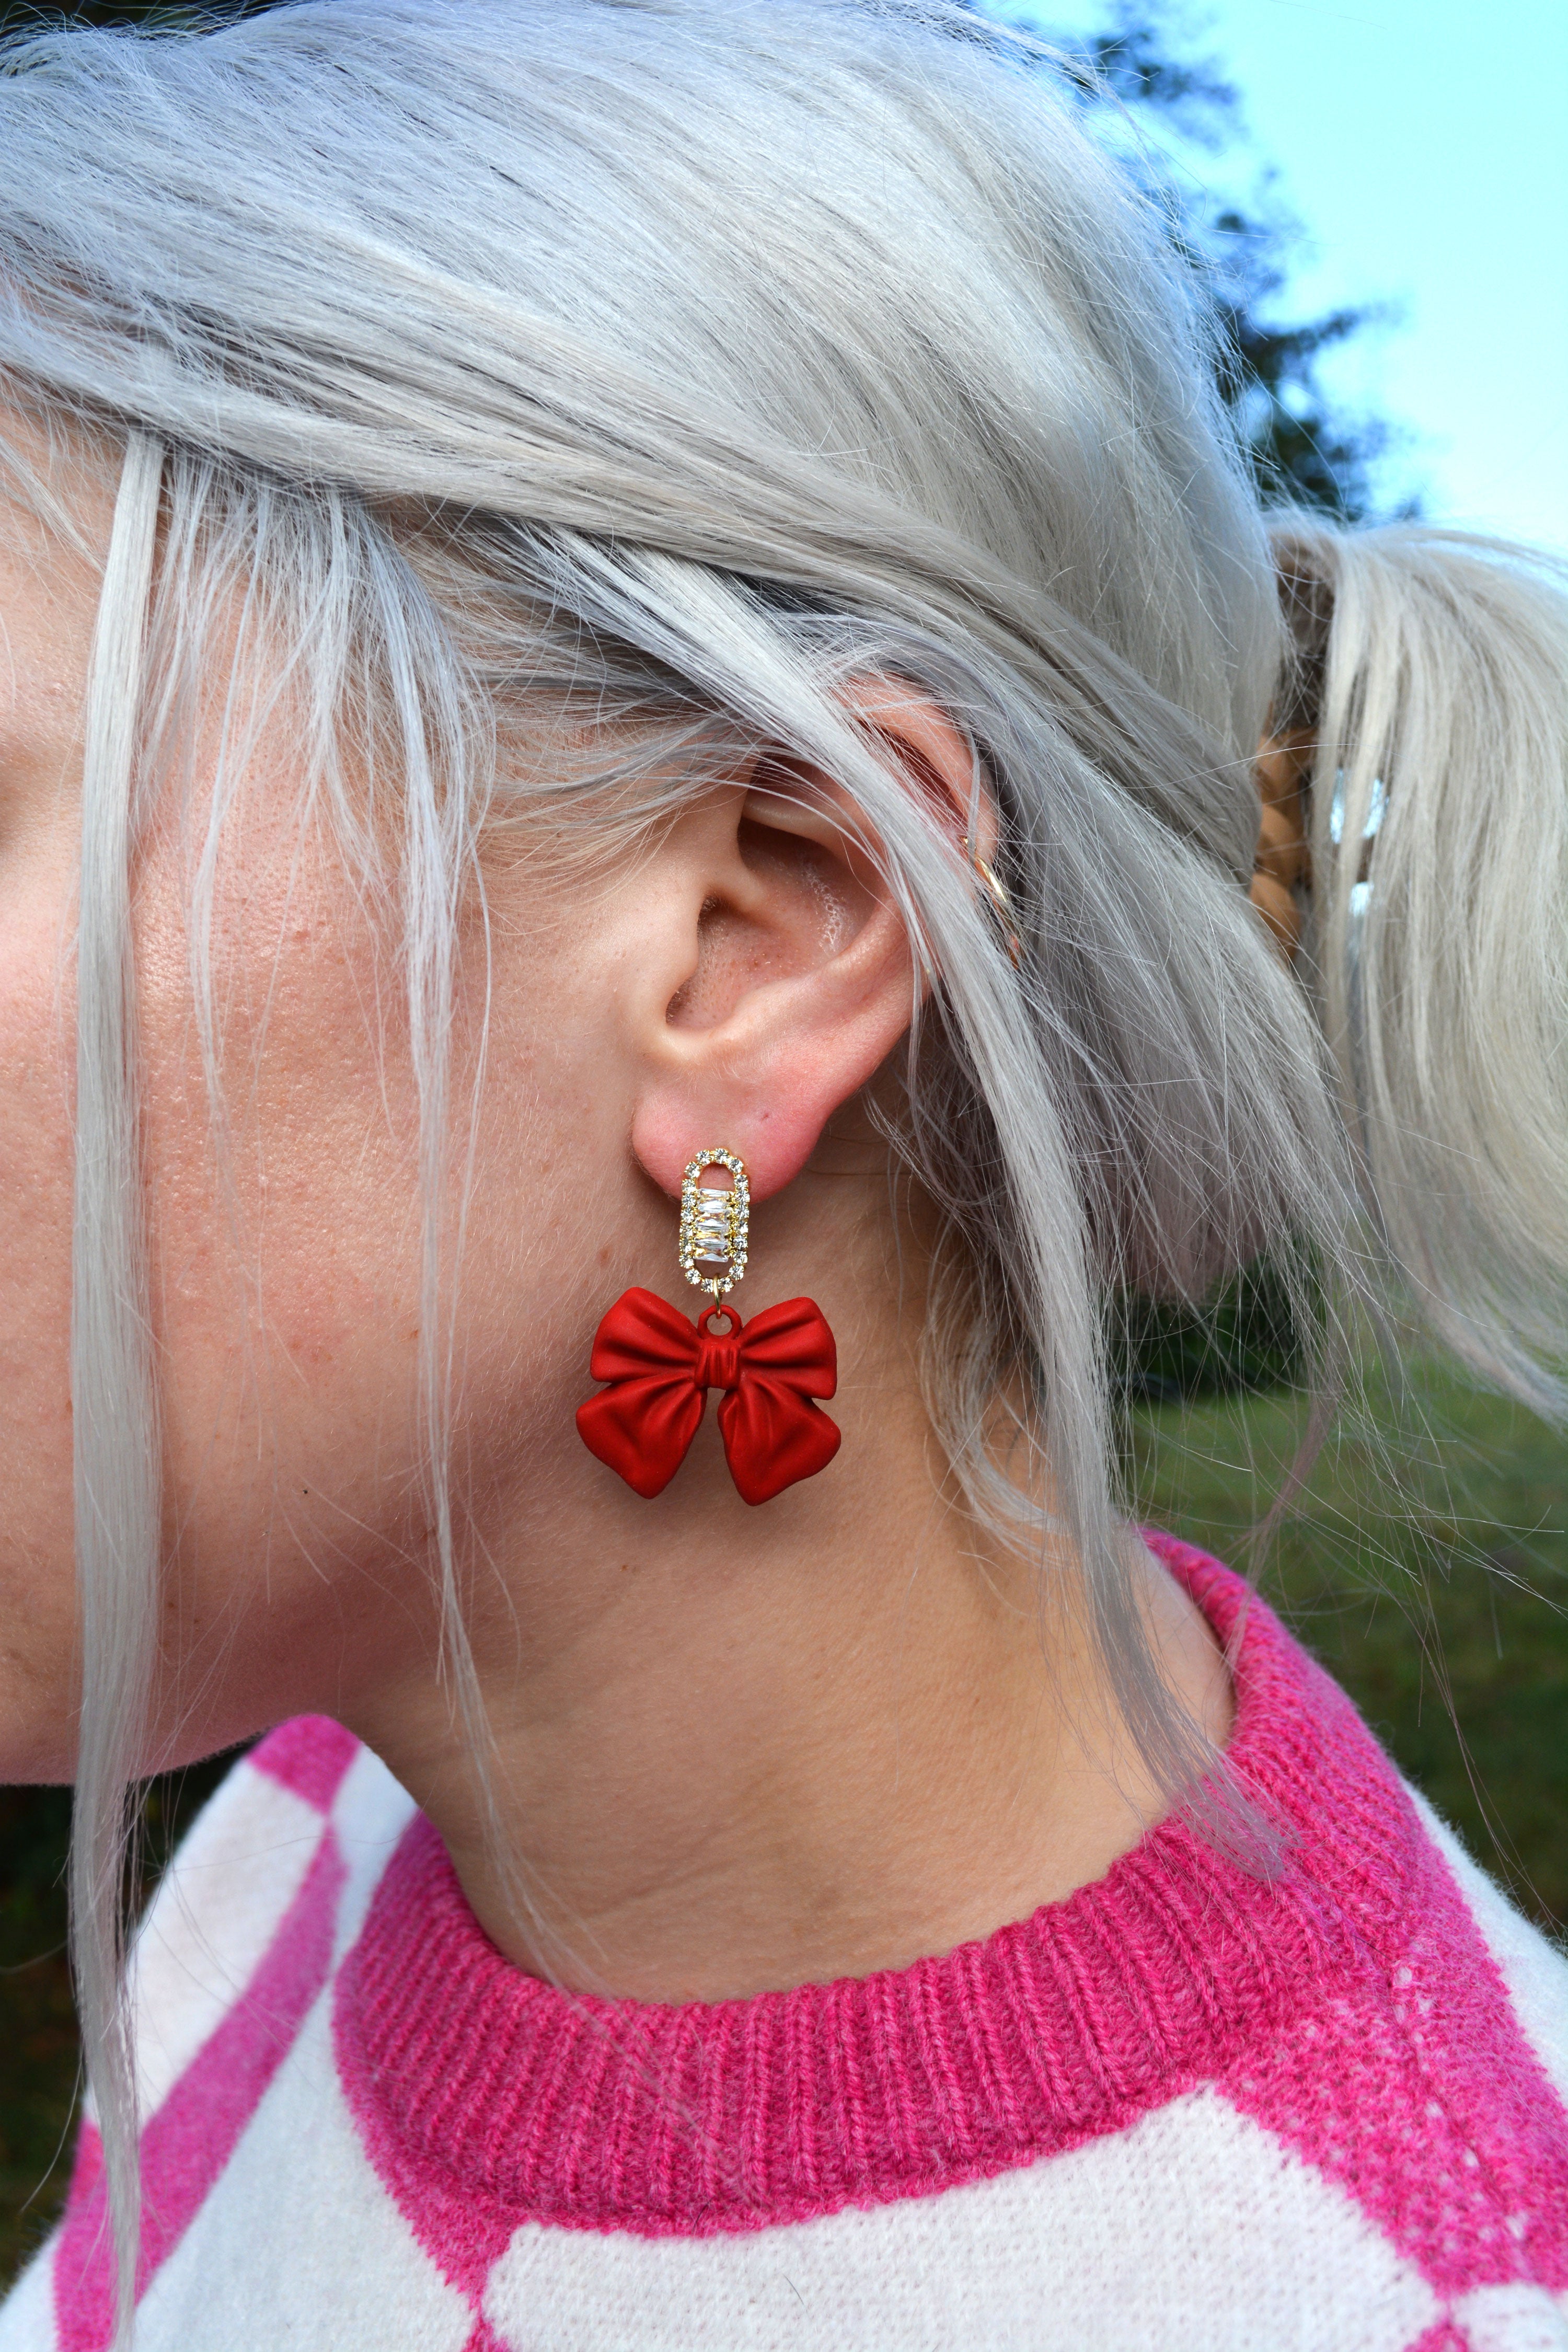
[{"x": 733, "y": 1748}]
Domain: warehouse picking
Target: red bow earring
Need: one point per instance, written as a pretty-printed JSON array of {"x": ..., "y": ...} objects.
[{"x": 660, "y": 1367}]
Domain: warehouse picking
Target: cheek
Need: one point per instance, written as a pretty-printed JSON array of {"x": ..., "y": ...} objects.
[
  {"x": 285, "y": 1273},
  {"x": 286, "y": 1294},
  {"x": 37, "y": 1594},
  {"x": 289, "y": 1310}
]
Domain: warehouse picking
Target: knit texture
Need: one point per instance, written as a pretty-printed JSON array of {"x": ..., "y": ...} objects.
[{"x": 1182, "y": 2107}]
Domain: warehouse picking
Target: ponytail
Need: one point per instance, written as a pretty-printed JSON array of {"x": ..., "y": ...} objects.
[{"x": 1437, "y": 665}]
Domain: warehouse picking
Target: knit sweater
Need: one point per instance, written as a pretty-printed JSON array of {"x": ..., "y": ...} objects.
[{"x": 1186, "y": 2110}]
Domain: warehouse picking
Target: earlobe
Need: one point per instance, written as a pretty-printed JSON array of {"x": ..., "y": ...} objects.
[
  {"x": 802, "y": 980},
  {"x": 767, "y": 1080}
]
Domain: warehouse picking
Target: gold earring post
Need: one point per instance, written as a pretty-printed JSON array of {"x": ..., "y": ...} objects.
[{"x": 1001, "y": 905}]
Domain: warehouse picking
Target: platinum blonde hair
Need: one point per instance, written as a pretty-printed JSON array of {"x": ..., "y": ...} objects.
[{"x": 675, "y": 362}]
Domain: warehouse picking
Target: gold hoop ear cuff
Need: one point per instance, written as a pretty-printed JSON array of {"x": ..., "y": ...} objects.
[{"x": 999, "y": 902}]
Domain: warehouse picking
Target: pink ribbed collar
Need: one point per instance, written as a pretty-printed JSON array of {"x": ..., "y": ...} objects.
[{"x": 486, "y": 2085}]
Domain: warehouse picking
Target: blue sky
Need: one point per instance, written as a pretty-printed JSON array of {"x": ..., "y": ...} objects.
[
  {"x": 1424, "y": 145},
  {"x": 1426, "y": 148}
]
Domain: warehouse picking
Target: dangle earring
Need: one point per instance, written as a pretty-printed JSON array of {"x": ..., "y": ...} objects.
[{"x": 660, "y": 1367}]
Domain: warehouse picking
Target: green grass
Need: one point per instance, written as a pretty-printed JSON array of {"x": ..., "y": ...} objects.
[{"x": 1426, "y": 1562}]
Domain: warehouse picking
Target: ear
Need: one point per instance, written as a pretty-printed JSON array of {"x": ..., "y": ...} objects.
[{"x": 788, "y": 975}]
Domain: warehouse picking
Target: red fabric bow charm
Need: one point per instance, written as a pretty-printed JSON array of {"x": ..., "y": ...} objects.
[{"x": 660, "y": 1368}]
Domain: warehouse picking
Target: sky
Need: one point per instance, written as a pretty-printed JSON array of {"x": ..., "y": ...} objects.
[{"x": 1424, "y": 146}]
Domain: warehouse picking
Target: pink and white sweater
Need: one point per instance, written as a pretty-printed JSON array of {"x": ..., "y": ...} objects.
[{"x": 1182, "y": 2110}]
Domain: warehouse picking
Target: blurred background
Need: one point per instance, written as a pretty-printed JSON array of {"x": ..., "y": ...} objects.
[{"x": 1380, "y": 192}]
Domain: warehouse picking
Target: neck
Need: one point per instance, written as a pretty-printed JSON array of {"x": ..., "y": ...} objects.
[
  {"x": 785, "y": 1745},
  {"x": 737, "y": 1750}
]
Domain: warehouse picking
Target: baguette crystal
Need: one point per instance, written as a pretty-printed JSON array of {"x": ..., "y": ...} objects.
[{"x": 713, "y": 1225}]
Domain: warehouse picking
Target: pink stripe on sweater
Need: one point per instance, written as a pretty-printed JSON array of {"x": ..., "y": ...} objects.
[
  {"x": 193, "y": 2135},
  {"x": 1406, "y": 2077},
  {"x": 308, "y": 1756},
  {"x": 485, "y": 2339}
]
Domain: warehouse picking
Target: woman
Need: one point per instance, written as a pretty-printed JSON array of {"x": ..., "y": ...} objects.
[{"x": 630, "y": 601}]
